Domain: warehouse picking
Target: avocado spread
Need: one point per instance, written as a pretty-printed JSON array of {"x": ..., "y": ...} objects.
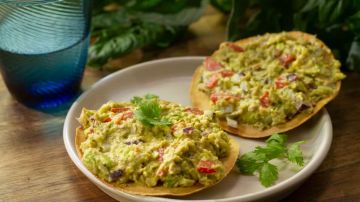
[
  {"x": 176, "y": 147},
  {"x": 268, "y": 81}
]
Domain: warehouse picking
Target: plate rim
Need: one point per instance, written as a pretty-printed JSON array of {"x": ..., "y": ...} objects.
[{"x": 298, "y": 178}]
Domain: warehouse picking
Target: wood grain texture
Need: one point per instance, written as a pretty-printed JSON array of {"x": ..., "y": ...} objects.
[{"x": 34, "y": 165}]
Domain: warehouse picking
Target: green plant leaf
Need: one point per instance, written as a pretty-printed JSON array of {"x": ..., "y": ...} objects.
[
  {"x": 109, "y": 19},
  {"x": 234, "y": 27},
  {"x": 222, "y": 5},
  {"x": 353, "y": 23},
  {"x": 136, "y": 37},
  {"x": 181, "y": 18},
  {"x": 353, "y": 59},
  {"x": 138, "y": 24}
]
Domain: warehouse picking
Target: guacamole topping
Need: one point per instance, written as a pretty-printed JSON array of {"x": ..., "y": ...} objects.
[
  {"x": 269, "y": 80},
  {"x": 181, "y": 148}
]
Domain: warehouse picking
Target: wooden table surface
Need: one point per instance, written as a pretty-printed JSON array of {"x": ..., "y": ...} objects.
[{"x": 34, "y": 165}]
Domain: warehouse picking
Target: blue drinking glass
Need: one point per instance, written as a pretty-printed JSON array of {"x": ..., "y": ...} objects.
[{"x": 43, "y": 50}]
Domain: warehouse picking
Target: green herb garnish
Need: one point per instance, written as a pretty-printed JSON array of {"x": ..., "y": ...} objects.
[
  {"x": 258, "y": 160},
  {"x": 149, "y": 110}
]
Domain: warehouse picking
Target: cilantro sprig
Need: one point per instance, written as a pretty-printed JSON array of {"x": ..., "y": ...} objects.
[
  {"x": 149, "y": 110},
  {"x": 259, "y": 159}
]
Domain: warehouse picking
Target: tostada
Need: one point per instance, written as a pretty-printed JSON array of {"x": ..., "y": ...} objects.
[
  {"x": 153, "y": 147},
  {"x": 267, "y": 84}
]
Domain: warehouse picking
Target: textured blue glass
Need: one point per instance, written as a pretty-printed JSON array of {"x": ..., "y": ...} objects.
[{"x": 43, "y": 50}]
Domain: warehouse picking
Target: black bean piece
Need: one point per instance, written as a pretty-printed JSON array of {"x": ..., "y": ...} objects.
[
  {"x": 188, "y": 130},
  {"x": 115, "y": 175},
  {"x": 303, "y": 107}
]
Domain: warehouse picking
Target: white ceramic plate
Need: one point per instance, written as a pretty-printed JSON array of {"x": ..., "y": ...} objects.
[{"x": 170, "y": 79}]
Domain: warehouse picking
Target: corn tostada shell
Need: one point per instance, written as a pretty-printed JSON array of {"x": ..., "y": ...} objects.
[
  {"x": 202, "y": 100},
  {"x": 133, "y": 188}
]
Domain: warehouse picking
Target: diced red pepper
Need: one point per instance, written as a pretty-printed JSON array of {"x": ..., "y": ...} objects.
[
  {"x": 161, "y": 154},
  {"x": 227, "y": 73},
  {"x": 195, "y": 111},
  {"x": 236, "y": 47},
  {"x": 287, "y": 59},
  {"x": 128, "y": 115},
  {"x": 211, "y": 65},
  {"x": 173, "y": 128},
  {"x": 214, "y": 98},
  {"x": 108, "y": 119},
  {"x": 124, "y": 117},
  {"x": 236, "y": 97},
  {"x": 212, "y": 82},
  {"x": 161, "y": 173},
  {"x": 119, "y": 109},
  {"x": 205, "y": 167},
  {"x": 279, "y": 83},
  {"x": 264, "y": 100},
  {"x": 229, "y": 96}
]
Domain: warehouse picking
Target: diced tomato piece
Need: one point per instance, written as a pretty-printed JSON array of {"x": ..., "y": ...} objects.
[
  {"x": 264, "y": 100},
  {"x": 161, "y": 152},
  {"x": 212, "y": 82},
  {"x": 287, "y": 59},
  {"x": 108, "y": 119},
  {"x": 227, "y": 73},
  {"x": 214, "y": 98},
  {"x": 119, "y": 109},
  {"x": 211, "y": 65},
  {"x": 205, "y": 167},
  {"x": 279, "y": 83},
  {"x": 195, "y": 111},
  {"x": 236, "y": 47}
]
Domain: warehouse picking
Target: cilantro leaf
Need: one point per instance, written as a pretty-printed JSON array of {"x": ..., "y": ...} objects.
[
  {"x": 258, "y": 160},
  {"x": 250, "y": 162},
  {"x": 280, "y": 139},
  {"x": 136, "y": 100},
  {"x": 149, "y": 110},
  {"x": 294, "y": 153},
  {"x": 268, "y": 174},
  {"x": 272, "y": 151}
]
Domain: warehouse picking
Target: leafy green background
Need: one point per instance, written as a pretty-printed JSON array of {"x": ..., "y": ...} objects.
[
  {"x": 137, "y": 23},
  {"x": 158, "y": 23}
]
